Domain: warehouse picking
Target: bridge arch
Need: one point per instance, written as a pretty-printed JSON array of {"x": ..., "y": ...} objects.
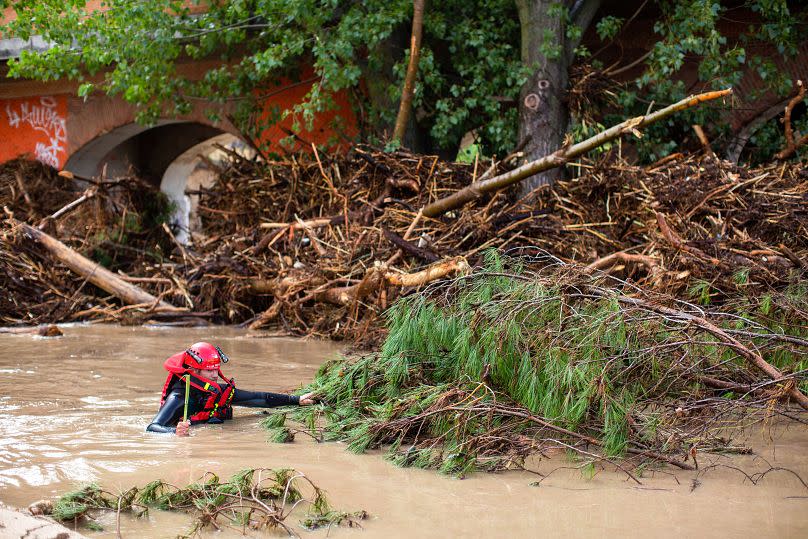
[
  {"x": 188, "y": 173},
  {"x": 171, "y": 155}
]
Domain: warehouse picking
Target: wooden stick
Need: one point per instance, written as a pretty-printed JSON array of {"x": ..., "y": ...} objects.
[
  {"x": 433, "y": 272},
  {"x": 620, "y": 256},
  {"x": 679, "y": 243},
  {"x": 25, "y": 195},
  {"x": 88, "y": 194},
  {"x": 705, "y": 142},
  {"x": 563, "y": 155},
  {"x": 187, "y": 394},
  {"x": 791, "y": 145}
]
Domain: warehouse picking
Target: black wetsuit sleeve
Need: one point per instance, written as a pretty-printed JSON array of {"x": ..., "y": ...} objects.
[
  {"x": 262, "y": 399},
  {"x": 169, "y": 414}
]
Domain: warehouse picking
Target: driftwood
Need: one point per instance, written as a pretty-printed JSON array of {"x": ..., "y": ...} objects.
[
  {"x": 87, "y": 195},
  {"x": 432, "y": 273},
  {"x": 94, "y": 272},
  {"x": 45, "y": 330},
  {"x": 791, "y": 144},
  {"x": 563, "y": 155},
  {"x": 374, "y": 280},
  {"x": 745, "y": 352},
  {"x": 622, "y": 257}
]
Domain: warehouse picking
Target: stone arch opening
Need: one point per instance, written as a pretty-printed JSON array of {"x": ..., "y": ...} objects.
[
  {"x": 145, "y": 150},
  {"x": 190, "y": 172}
]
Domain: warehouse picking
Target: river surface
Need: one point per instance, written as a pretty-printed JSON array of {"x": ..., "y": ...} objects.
[{"x": 75, "y": 409}]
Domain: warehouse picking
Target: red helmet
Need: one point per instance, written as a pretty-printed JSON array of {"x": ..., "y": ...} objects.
[{"x": 204, "y": 355}]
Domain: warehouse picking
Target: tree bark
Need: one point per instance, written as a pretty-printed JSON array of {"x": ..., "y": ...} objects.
[
  {"x": 542, "y": 113},
  {"x": 547, "y": 53}
]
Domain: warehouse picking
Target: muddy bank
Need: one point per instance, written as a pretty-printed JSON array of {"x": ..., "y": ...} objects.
[{"x": 55, "y": 435}]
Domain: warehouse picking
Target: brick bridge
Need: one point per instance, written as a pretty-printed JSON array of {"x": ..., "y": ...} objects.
[{"x": 98, "y": 135}]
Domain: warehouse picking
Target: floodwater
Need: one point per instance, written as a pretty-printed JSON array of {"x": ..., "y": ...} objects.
[{"x": 75, "y": 409}]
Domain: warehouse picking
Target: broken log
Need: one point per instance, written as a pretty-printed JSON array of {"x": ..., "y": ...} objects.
[
  {"x": 432, "y": 273},
  {"x": 93, "y": 271}
]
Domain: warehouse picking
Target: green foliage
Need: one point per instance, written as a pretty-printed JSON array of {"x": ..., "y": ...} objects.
[
  {"x": 770, "y": 138},
  {"x": 608, "y": 27},
  {"x": 689, "y": 30},
  {"x": 75, "y": 504},
  {"x": 701, "y": 292},
  {"x": 138, "y": 45},
  {"x": 544, "y": 343}
]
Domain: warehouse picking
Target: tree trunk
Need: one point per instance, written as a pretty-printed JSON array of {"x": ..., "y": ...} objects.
[
  {"x": 547, "y": 52},
  {"x": 412, "y": 71}
]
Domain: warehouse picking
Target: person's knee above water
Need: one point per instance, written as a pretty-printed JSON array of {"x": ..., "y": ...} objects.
[{"x": 211, "y": 396}]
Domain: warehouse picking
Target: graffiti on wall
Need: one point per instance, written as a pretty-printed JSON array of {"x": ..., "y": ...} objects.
[{"x": 34, "y": 126}]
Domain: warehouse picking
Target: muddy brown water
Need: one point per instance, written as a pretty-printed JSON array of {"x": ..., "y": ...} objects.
[{"x": 75, "y": 409}]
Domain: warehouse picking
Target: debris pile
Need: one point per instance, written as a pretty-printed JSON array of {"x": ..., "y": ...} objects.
[{"x": 321, "y": 245}]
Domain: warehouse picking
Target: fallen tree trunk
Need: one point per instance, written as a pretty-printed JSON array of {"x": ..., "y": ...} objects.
[
  {"x": 563, "y": 155},
  {"x": 93, "y": 271}
]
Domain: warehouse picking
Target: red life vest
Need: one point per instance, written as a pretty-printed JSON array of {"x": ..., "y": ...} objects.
[{"x": 219, "y": 395}]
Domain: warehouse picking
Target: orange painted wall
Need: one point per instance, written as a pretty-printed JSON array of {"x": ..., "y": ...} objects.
[
  {"x": 9, "y": 14},
  {"x": 322, "y": 133},
  {"x": 34, "y": 126}
]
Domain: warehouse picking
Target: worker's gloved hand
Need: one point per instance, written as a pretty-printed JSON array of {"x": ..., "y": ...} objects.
[
  {"x": 183, "y": 428},
  {"x": 306, "y": 399}
]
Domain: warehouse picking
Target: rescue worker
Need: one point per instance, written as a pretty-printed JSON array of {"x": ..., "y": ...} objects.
[{"x": 212, "y": 395}]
